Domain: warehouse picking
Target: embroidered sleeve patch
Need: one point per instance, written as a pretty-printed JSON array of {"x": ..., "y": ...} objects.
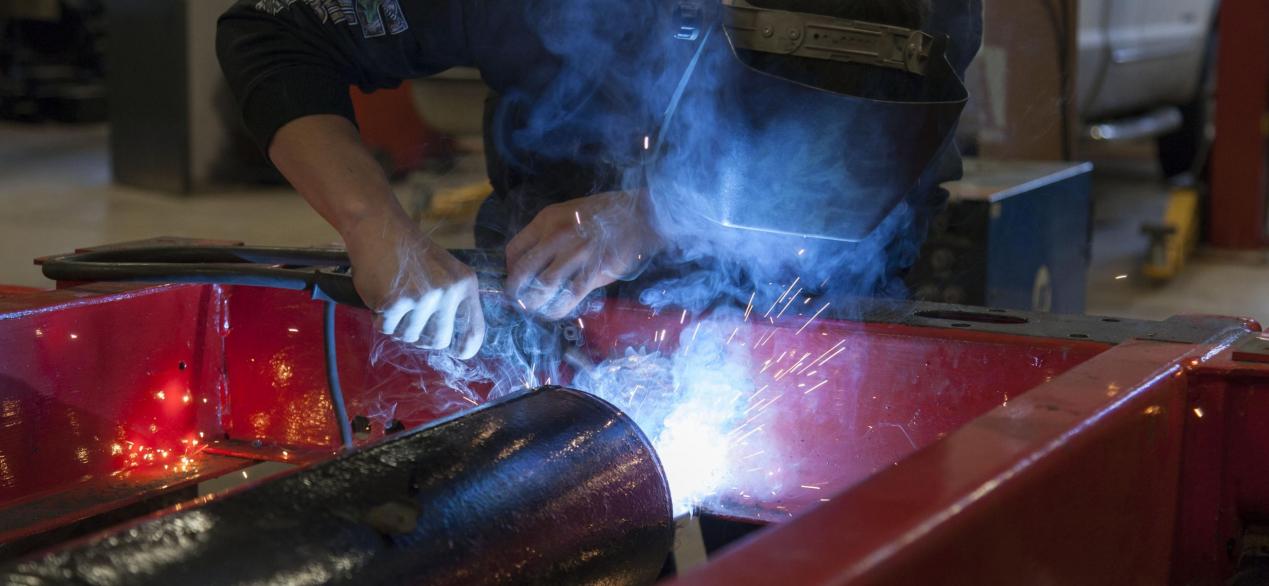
[
  {"x": 336, "y": 11},
  {"x": 380, "y": 17},
  {"x": 377, "y": 17}
]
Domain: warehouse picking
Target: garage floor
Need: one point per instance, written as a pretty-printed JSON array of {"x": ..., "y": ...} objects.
[
  {"x": 1129, "y": 192},
  {"x": 56, "y": 194}
]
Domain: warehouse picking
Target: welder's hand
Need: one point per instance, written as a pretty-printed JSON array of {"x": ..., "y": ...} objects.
[
  {"x": 575, "y": 247},
  {"x": 421, "y": 294}
]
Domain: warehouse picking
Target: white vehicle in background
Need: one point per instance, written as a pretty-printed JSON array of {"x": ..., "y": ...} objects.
[{"x": 1147, "y": 70}]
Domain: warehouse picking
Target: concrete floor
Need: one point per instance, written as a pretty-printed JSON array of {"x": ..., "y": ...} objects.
[
  {"x": 1128, "y": 191},
  {"x": 56, "y": 194}
]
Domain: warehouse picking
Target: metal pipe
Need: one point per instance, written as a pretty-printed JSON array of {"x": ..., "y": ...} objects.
[{"x": 550, "y": 487}]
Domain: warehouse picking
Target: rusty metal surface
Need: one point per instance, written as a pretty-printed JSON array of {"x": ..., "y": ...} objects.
[{"x": 546, "y": 487}]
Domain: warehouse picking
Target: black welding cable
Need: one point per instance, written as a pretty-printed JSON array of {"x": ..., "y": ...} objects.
[{"x": 332, "y": 376}]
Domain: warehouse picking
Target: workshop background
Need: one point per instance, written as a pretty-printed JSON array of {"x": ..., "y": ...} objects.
[
  {"x": 117, "y": 126},
  {"x": 1117, "y": 165}
]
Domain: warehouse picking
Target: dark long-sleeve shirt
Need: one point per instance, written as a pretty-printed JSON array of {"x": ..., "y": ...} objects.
[{"x": 285, "y": 59}]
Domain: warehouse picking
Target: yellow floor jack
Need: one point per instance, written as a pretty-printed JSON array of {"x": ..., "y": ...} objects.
[{"x": 1174, "y": 239}]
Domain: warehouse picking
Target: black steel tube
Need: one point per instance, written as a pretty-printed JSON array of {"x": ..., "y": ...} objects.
[{"x": 547, "y": 487}]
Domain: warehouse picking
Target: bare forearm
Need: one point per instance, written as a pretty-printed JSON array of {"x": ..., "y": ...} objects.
[
  {"x": 324, "y": 159},
  {"x": 417, "y": 289}
]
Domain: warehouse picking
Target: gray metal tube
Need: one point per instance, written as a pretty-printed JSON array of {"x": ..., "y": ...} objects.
[{"x": 548, "y": 487}]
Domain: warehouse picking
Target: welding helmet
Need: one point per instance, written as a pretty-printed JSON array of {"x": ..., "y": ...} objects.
[{"x": 744, "y": 147}]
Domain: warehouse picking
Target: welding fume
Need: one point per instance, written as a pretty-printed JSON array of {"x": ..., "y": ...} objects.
[{"x": 733, "y": 160}]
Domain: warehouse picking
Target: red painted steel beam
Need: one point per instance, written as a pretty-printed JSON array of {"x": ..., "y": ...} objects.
[
  {"x": 887, "y": 391},
  {"x": 1075, "y": 482},
  {"x": 1028, "y": 458},
  {"x": 1236, "y": 217},
  {"x": 1225, "y": 483},
  {"x": 103, "y": 385}
]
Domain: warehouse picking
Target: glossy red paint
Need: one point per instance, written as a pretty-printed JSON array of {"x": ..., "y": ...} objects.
[
  {"x": 1225, "y": 482},
  {"x": 1074, "y": 482},
  {"x": 274, "y": 363},
  {"x": 860, "y": 421},
  {"x": 839, "y": 401},
  {"x": 984, "y": 457},
  {"x": 86, "y": 382},
  {"x": 1083, "y": 480},
  {"x": 99, "y": 381}
]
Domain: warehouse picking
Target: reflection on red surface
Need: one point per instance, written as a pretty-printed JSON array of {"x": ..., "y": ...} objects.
[
  {"x": 131, "y": 454},
  {"x": 155, "y": 375},
  {"x": 925, "y": 442},
  {"x": 275, "y": 363},
  {"x": 836, "y": 401},
  {"x": 80, "y": 377}
]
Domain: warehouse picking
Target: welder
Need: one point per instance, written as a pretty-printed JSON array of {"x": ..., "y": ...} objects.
[{"x": 595, "y": 111}]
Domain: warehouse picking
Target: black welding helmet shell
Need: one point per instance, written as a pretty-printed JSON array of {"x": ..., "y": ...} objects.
[{"x": 745, "y": 148}]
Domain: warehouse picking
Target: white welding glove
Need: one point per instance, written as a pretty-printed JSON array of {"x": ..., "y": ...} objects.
[{"x": 420, "y": 293}]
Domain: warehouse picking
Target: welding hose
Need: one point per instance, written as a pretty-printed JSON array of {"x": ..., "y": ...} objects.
[
  {"x": 332, "y": 376},
  {"x": 544, "y": 487}
]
